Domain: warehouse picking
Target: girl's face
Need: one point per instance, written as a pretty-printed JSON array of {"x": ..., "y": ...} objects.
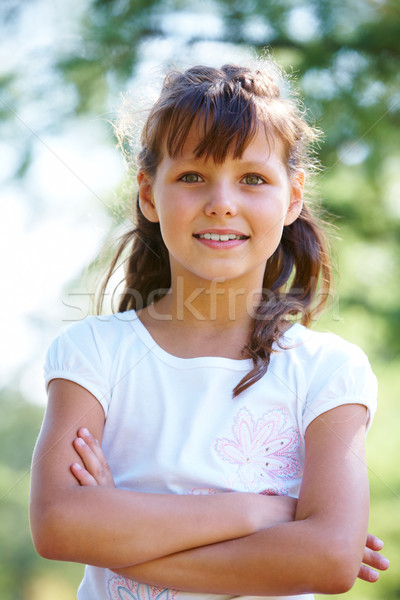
[{"x": 222, "y": 221}]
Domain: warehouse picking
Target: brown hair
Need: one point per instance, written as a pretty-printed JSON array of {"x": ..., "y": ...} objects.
[{"x": 231, "y": 103}]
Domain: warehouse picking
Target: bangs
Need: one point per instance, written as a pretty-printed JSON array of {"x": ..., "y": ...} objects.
[
  {"x": 227, "y": 121},
  {"x": 227, "y": 106}
]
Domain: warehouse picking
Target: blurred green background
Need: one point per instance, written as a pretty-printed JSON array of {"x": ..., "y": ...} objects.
[{"x": 63, "y": 66}]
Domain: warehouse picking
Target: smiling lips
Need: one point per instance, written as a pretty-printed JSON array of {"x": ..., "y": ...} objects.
[
  {"x": 220, "y": 237},
  {"x": 219, "y": 240}
]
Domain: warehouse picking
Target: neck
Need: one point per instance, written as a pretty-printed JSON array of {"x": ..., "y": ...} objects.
[
  {"x": 204, "y": 318},
  {"x": 216, "y": 303}
]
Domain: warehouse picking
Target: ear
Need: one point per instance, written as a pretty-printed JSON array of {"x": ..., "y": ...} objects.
[
  {"x": 296, "y": 198},
  {"x": 146, "y": 199}
]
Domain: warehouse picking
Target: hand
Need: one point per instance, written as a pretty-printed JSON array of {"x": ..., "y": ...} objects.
[
  {"x": 96, "y": 470},
  {"x": 276, "y": 509},
  {"x": 372, "y": 560}
]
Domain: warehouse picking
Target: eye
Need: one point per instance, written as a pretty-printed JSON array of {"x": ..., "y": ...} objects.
[
  {"x": 190, "y": 178},
  {"x": 252, "y": 179}
]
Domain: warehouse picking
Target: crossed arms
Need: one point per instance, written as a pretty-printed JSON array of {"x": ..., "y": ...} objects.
[{"x": 226, "y": 543}]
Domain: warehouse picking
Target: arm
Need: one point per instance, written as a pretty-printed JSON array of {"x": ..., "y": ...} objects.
[
  {"x": 152, "y": 571},
  {"x": 320, "y": 552},
  {"x": 96, "y": 472},
  {"x": 106, "y": 526}
]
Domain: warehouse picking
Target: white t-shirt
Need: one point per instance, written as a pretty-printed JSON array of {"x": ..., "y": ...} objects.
[{"x": 172, "y": 425}]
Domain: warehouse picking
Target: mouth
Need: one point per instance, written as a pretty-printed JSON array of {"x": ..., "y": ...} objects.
[{"x": 220, "y": 237}]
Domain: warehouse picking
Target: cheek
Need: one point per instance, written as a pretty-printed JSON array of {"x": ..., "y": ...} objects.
[
  {"x": 270, "y": 215},
  {"x": 172, "y": 223},
  {"x": 175, "y": 211}
]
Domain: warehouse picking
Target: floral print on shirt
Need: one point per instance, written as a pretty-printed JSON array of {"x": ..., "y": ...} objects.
[
  {"x": 120, "y": 588},
  {"x": 264, "y": 451}
]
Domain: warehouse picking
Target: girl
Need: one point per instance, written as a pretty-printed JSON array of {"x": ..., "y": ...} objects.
[{"x": 232, "y": 458}]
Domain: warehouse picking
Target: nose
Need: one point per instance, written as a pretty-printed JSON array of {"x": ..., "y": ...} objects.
[{"x": 221, "y": 201}]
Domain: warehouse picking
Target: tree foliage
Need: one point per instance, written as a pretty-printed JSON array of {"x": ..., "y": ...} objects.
[{"x": 345, "y": 54}]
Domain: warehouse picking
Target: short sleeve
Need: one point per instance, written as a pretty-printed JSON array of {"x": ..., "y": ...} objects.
[
  {"x": 348, "y": 381},
  {"x": 78, "y": 355}
]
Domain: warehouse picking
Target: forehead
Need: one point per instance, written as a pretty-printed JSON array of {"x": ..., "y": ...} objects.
[
  {"x": 260, "y": 147},
  {"x": 223, "y": 123}
]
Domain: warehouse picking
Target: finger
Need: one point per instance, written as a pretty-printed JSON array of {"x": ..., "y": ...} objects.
[
  {"x": 94, "y": 460},
  {"x": 90, "y": 460},
  {"x": 367, "y": 574},
  {"x": 375, "y": 560},
  {"x": 102, "y": 469},
  {"x": 374, "y": 542},
  {"x": 83, "y": 476},
  {"x": 93, "y": 444}
]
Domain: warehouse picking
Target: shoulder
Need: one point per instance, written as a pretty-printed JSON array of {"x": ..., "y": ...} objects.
[
  {"x": 96, "y": 338},
  {"x": 322, "y": 348},
  {"x": 104, "y": 330},
  {"x": 85, "y": 352},
  {"x": 334, "y": 371}
]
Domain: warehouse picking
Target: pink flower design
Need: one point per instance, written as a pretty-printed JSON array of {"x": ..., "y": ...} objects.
[
  {"x": 264, "y": 451},
  {"x": 120, "y": 588},
  {"x": 202, "y": 492}
]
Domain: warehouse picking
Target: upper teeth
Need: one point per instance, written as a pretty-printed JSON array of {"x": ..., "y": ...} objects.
[{"x": 220, "y": 238}]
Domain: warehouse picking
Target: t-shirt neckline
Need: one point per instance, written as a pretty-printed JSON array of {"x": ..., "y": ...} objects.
[{"x": 197, "y": 361}]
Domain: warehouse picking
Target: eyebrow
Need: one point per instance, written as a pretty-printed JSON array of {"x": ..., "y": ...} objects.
[
  {"x": 244, "y": 163},
  {"x": 258, "y": 164},
  {"x": 186, "y": 162}
]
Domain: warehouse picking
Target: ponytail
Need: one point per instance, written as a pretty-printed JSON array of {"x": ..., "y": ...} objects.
[{"x": 303, "y": 256}]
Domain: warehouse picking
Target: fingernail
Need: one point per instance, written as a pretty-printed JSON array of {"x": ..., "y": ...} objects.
[
  {"x": 385, "y": 563},
  {"x": 85, "y": 431},
  {"x": 77, "y": 466},
  {"x": 80, "y": 442}
]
